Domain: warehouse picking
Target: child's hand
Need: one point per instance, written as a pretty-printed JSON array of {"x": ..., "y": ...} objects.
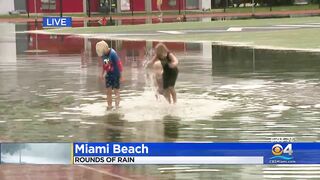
[{"x": 101, "y": 77}]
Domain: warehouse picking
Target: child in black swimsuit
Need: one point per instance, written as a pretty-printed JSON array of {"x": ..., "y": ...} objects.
[
  {"x": 169, "y": 64},
  {"x": 170, "y": 74}
]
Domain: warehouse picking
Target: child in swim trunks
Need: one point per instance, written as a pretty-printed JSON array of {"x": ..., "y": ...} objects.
[{"x": 111, "y": 72}]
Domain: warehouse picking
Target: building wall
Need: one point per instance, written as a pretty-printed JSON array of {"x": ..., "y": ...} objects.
[
  {"x": 169, "y": 5},
  {"x": 205, "y": 4},
  {"x": 69, "y": 6},
  {"x": 138, "y": 5},
  {"x": 8, "y": 42},
  {"x": 79, "y": 6},
  {"x": 20, "y": 5},
  {"x": 6, "y": 6},
  {"x": 142, "y": 5}
]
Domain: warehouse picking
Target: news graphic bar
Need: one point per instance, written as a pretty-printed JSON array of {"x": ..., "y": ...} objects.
[
  {"x": 48, "y": 22},
  {"x": 143, "y": 160},
  {"x": 160, "y": 153},
  {"x": 196, "y": 153}
]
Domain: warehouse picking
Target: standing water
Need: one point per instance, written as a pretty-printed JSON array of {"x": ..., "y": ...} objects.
[{"x": 50, "y": 92}]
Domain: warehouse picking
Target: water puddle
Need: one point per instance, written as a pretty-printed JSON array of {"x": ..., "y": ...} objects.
[
  {"x": 224, "y": 94},
  {"x": 145, "y": 107}
]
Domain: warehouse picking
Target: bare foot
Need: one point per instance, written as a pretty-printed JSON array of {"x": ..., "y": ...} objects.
[{"x": 109, "y": 108}]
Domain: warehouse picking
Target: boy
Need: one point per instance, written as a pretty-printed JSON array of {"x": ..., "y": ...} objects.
[{"x": 111, "y": 72}]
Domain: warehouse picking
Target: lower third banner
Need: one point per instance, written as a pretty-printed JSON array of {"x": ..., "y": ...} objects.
[{"x": 195, "y": 153}]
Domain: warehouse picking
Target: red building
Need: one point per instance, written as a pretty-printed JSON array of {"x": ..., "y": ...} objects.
[
  {"x": 176, "y": 4},
  {"x": 82, "y": 6},
  {"x": 142, "y": 5},
  {"x": 68, "y": 6}
]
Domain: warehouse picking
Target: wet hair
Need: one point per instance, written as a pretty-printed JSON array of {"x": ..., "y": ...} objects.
[
  {"x": 161, "y": 50},
  {"x": 101, "y": 48}
]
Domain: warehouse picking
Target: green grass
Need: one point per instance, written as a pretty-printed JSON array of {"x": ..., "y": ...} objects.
[
  {"x": 11, "y": 16},
  {"x": 295, "y": 38},
  {"x": 186, "y": 25},
  {"x": 275, "y": 8}
]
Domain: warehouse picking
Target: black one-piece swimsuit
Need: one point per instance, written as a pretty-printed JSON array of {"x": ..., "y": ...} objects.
[{"x": 169, "y": 75}]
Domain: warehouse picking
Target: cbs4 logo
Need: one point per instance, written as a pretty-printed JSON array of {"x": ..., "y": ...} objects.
[{"x": 278, "y": 150}]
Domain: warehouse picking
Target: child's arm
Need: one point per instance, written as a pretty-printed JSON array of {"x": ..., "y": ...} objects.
[
  {"x": 102, "y": 73},
  {"x": 173, "y": 61},
  {"x": 150, "y": 63}
]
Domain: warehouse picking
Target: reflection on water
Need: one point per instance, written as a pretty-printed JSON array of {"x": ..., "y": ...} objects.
[
  {"x": 171, "y": 128},
  {"x": 224, "y": 94}
]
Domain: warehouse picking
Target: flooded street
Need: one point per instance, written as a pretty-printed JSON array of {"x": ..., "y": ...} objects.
[{"x": 50, "y": 92}]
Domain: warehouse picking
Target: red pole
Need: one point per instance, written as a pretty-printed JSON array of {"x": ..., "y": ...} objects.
[
  {"x": 89, "y": 9},
  {"x": 185, "y": 6},
  {"x": 28, "y": 8},
  {"x": 60, "y": 8},
  {"x": 131, "y": 4}
]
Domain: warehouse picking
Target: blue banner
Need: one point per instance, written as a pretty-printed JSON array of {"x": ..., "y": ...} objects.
[
  {"x": 272, "y": 153},
  {"x": 57, "y": 22}
]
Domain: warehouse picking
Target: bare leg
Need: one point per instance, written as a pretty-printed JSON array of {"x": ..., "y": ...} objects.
[
  {"x": 167, "y": 95},
  {"x": 117, "y": 94},
  {"x": 159, "y": 4},
  {"x": 173, "y": 94},
  {"x": 109, "y": 98}
]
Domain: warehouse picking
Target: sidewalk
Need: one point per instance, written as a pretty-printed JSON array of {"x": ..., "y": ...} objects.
[{"x": 196, "y": 15}]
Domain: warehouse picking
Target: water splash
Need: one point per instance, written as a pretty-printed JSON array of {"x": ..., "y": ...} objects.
[{"x": 146, "y": 108}]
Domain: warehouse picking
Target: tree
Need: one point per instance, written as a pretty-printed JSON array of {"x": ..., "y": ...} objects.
[{"x": 12, "y": 148}]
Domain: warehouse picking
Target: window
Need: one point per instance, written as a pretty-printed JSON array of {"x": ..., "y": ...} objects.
[
  {"x": 192, "y": 4},
  {"x": 125, "y": 5},
  {"x": 103, "y": 3},
  {"x": 172, "y": 3},
  {"x": 48, "y": 4}
]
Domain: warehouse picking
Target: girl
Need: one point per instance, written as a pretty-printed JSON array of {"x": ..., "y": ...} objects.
[{"x": 169, "y": 64}]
